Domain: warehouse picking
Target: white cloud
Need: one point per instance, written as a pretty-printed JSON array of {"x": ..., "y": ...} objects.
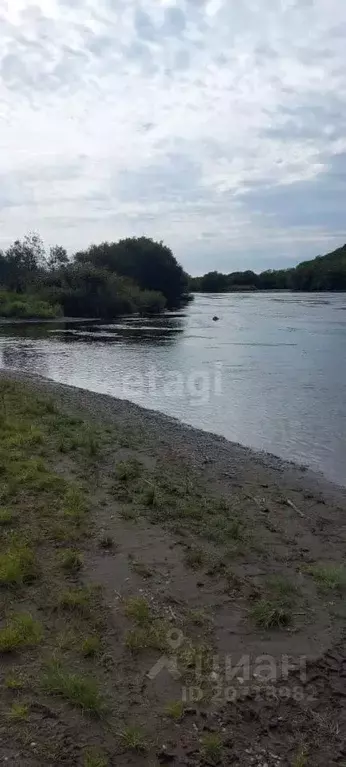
[{"x": 173, "y": 119}]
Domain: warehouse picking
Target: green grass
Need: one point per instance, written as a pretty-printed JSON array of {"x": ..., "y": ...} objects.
[
  {"x": 301, "y": 759},
  {"x": 175, "y": 710},
  {"x": 93, "y": 758},
  {"x": 150, "y": 632},
  {"x": 212, "y": 747},
  {"x": 75, "y": 506},
  {"x": 195, "y": 654},
  {"x": 328, "y": 577},
  {"x": 133, "y": 739},
  {"x": 78, "y": 690},
  {"x": 92, "y": 445},
  {"x": 76, "y": 599},
  {"x": 71, "y": 560},
  {"x": 13, "y": 682},
  {"x": 269, "y": 614},
  {"x": 149, "y": 496},
  {"x": 20, "y": 632},
  {"x": 50, "y": 407},
  {"x": 151, "y": 636},
  {"x": 19, "y": 711},
  {"x": 25, "y": 437},
  {"x": 199, "y": 617},
  {"x": 91, "y": 646},
  {"x": 17, "y": 565},
  {"x": 6, "y": 517},
  {"x": 127, "y": 471},
  {"x": 226, "y": 531},
  {"x": 138, "y": 610}
]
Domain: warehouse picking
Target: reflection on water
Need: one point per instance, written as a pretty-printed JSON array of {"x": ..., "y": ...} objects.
[
  {"x": 271, "y": 373},
  {"x": 156, "y": 330}
]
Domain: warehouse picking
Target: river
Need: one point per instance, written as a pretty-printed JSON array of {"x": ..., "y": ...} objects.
[{"x": 270, "y": 373}]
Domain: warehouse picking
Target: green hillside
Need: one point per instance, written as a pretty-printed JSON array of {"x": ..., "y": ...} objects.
[{"x": 321, "y": 273}]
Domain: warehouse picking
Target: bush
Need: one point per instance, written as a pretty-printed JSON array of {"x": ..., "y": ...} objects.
[
  {"x": 150, "y": 302},
  {"x": 17, "y": 306}
]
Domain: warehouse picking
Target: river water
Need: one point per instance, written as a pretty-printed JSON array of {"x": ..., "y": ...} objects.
[{"x": 270, "y": 373}]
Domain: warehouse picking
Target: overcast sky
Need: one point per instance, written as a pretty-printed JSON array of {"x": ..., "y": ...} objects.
[{"x": 218, "y": 126}]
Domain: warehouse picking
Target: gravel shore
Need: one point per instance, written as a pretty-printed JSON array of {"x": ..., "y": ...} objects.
[{"x": 231, "y": 461}]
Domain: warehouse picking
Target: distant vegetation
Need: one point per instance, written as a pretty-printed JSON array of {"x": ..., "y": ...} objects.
[
  {"x": 132, "y": 275},
  {"x": 322, "y": 273},
  {"x": 24, "y": 306}
]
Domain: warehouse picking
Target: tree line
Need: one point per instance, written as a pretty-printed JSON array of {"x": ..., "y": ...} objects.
[
  {"x": 135, "y": 274},
  {"x": 131, "y": 275},
  {"x": 321, "y": 273}
]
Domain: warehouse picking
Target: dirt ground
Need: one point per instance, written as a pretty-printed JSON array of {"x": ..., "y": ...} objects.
[{"x": 186, "y": 595}]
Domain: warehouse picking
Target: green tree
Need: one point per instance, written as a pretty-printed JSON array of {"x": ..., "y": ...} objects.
[
  {"x": 148, "y": 263},
  {"x": 57, "y": 258},
  {"x": 24, "y": 259},
  {"x": 214, "y": 282}
]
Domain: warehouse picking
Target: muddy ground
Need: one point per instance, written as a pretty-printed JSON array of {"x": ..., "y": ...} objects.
[{"x": 188, "y": 594}]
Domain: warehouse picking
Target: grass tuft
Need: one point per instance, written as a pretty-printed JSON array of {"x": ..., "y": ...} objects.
[
  {"x": 13, "y": 682},
  {"x": 92, "y": 445},
  {"x": 80, "y": 691},
  {"x": 328, "y": 577},
  {"x": 17, "y": 565},
  {"x": 6, "y": 517},
  {"x": 149, "y": 496},
  {"x": 76, "y": 599},
  {"x": 212, "y": 747},
  {"x": 19, "y": 712},
  {"x": 22, "y": 631},
  {"x": 71, "y": 560},
  {"x": 150, "y": 636},
  {"x": 301, "y": 758},
  {"x": 133, "y": 739},
  {"x": 127, "y": 471},
  {"x": 175, "y": 710},
  {"x": 91, "y": 646},
  {"x": 51, "y": 407},
  {"x": 75, "y": 505},
  {"x": 270, "y": 614},
  {"x": 199, "y": 617},
  {"x": 138, "y": 609},
  {"x": 95, "y": 759}
]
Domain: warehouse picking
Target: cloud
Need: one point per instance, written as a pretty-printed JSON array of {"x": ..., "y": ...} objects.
[
  {"x": 174, "y": 21},
  {"x": 215, "y": 125}
]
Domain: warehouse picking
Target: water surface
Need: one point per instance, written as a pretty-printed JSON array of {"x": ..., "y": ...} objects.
[{"x": 271, "y": 373}]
